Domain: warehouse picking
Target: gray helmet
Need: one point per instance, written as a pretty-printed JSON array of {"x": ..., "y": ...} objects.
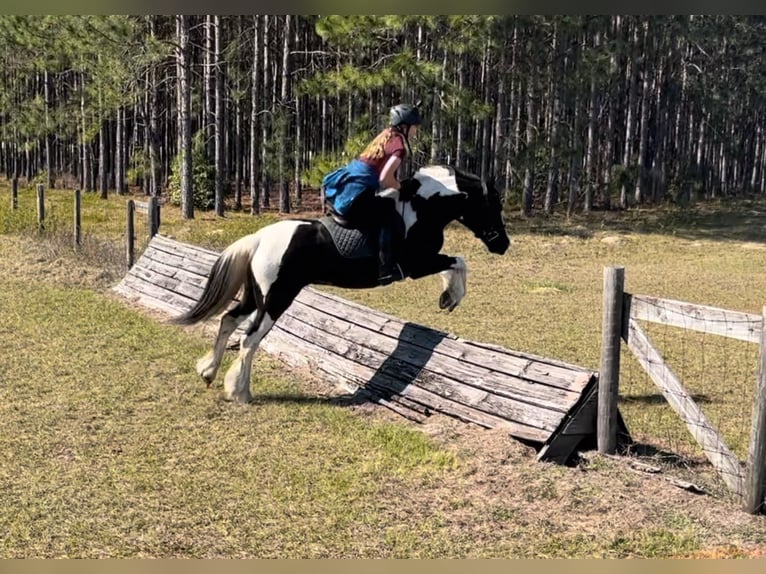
[{"x": 405, "y": 114}]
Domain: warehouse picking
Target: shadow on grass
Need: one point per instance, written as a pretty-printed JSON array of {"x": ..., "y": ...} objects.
[
  {"x": 651, "y": 453},
  {"x": 658, "y": 399}
]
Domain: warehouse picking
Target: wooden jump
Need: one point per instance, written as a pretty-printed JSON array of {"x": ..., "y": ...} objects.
[{"x": 412, "y": 369}]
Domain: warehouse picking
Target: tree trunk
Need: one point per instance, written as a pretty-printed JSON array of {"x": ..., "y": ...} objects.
[
  {"x": 102, "y": 174},
  {"x": 644, "y": 125},
  {"x": 551, "y": 189},
  {"x": 85, "y": 157},
  {"x": 575, "y": 161},
  {"x": 209, "y": 77},
  {"x": 218, "y": 129},
  {"x": 633, "y": 86},
  {"x": 284, "y": 188},
  {"x": 48, "y": 163},
  {"x": 266, "y": 119},
  {"x": 184, "y": 117},
  {"x": 529, "y": 163},
  {"x": 590, "y": 154},
  {"x": 254, "y": 110}
]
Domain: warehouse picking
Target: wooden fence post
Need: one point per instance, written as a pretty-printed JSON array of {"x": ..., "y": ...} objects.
[
  {"x": 609, "y": 375},
  {"x": 77, "y": 217},
  {"x": 15, "y": 194},
  {"x": 130, "y": 235},
  {"x": 41, "y": 206},
  {"x": 755, "y": 485},
  {"x": 153, "y": 213}
]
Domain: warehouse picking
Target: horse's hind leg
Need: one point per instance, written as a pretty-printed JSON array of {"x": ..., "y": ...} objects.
[
  {"x": 207, "y": 366},
  {"x": 237, "y": 381},
  {"x": 278, "y": 299}
]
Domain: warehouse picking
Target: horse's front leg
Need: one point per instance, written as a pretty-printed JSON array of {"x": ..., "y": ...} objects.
[{"x": 453, "y": 271}]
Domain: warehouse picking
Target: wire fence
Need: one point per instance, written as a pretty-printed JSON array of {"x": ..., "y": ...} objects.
[{"x": 714, "y": 399}]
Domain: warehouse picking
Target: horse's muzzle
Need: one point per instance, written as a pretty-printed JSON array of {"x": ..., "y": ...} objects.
[{"x": 496, "y": 241}]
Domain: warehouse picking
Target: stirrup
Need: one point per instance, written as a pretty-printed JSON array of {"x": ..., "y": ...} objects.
[{"x": 395, "y": 274}]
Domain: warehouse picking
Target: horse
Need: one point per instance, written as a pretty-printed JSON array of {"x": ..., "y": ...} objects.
[{"x": 272, "y": 265}]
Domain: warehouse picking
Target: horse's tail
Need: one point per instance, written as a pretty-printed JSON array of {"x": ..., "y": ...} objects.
[{"x": 226, "y": 277}]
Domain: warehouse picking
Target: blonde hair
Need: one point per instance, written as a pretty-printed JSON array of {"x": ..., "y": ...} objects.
[{"x": 376, "y": 148}]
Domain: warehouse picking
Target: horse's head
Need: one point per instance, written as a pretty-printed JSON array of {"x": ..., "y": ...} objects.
[{"x": 481, "y": 210}]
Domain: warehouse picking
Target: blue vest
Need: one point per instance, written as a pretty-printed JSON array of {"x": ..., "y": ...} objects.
[{"x": 343, "y": 185}]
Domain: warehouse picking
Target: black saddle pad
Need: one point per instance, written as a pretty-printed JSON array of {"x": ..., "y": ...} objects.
[{"x": 351, "y": 243}]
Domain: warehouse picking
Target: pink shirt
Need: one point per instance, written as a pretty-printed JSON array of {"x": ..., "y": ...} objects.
[{"x": 394, "y": 148}]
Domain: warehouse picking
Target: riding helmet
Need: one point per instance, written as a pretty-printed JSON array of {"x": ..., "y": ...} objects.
[{"x": 405, "y": 114}]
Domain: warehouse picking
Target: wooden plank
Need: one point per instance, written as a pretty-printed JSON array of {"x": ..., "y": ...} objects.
[
  {"x": 712, "y": 445},
  {"x": 193, "y": 252},
  {"x": 182, "y": 274},
  {"x": 409, "y": 373},
  {"x": 513, "y": 364},
  {"x": 574, "y": 429},
  {"x": 481, "y": 377},
  {"x": 755, "y": 486},
  {"x": 712, "y": 320},
  {"x": 326, "y": 302},
  {"x": 177, "y": 301},
  {"x": 296, "y": 352},
  {"x": 611, "y": 329},
  {"x": 172, "y": 284},
  {"x": 177, "y": 261},
  {"x": 141, "y": 206}
]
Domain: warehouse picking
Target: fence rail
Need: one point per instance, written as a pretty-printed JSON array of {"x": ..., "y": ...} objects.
[{"x": 746, "y": 480}]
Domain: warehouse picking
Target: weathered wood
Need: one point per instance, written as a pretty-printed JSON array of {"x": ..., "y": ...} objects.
[
  {"x": 421, "y": 371},
  {"x": 695, "y": 420},
  {"x": 77, "y": 218},
  {"x": 411, "y": 369},
  {"x": 130, "y": 236},
  {"x": 509, "y": 362},
  {"x": 40, "y": 207},
  {"x": 578, "y": 426},
  {"x": 711, "y": 320},
  {"x": 482, "y": 377},
  {"x": 755, "y": 484},
  {"x": 296, "y": 352},
  {"x": 153, "y": 209},
  {"x": 15, "y": 193},
  {"x": 609, "y": 374}
]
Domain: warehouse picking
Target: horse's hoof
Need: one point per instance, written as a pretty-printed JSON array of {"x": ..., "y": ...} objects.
[
  {"x": 240, "y": 398},
  {"x": 445, "y": 300}
]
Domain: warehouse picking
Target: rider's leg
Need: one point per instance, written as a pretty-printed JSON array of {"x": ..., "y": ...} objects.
[{"x": 389, "y": 241}]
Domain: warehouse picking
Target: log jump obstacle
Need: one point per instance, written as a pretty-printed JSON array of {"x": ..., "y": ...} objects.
[{"x": 412, "y": 369}]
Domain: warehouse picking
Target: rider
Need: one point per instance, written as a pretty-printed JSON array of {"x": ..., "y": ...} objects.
[{"x": 352, "y": 189}]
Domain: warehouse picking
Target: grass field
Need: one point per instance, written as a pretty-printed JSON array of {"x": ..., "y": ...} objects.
[{"x": 112, "y": 446}]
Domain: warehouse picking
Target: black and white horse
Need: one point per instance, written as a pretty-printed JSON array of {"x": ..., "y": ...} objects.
[{"x": 272, "y": 265}]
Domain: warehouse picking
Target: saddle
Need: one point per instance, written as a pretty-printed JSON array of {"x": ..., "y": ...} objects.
[{"x": 351, "y": 243}]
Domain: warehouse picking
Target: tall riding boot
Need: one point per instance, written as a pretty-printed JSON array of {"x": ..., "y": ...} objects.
[{"x": 389, "y": 271}]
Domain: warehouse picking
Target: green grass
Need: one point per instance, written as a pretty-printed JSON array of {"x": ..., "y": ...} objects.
[{"x": 113, "y": 447}]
